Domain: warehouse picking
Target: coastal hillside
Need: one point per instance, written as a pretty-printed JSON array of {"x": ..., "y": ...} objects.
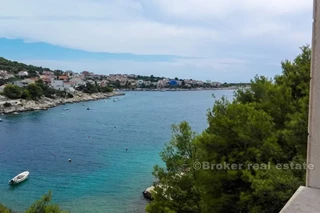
[
  {"x": 11, "y": 71},
  {"x": 14, "y": 67}
]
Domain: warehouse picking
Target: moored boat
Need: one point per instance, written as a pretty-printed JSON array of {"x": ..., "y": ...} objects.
[{"x": 19, "y": 178}]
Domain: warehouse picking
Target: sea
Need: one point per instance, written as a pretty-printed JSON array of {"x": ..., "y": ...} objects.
[{"x": 113, "y": 148}]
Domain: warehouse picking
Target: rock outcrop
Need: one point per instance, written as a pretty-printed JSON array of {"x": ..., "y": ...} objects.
[
  {"x": 8, "y": 106},
  {"x": 147, "y": 193}
]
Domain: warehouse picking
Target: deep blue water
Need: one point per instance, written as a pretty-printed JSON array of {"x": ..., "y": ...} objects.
[{"x": 103, "y": 176}]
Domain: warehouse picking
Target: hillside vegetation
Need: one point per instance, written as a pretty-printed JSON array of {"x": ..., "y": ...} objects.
[{"x": 14, "y": 67}]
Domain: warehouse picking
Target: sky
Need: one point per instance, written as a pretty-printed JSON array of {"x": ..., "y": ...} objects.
[{"x": 218, "y": 40}]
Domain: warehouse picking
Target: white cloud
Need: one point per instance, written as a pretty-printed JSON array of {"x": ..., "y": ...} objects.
[
  {"x": 279, "y": 7},
  {"x": 142, "y": 37},
  {"x": 224, "y": 31},
  {"x": 223, "y": 8},
  {"x": 123, "y": 26}
]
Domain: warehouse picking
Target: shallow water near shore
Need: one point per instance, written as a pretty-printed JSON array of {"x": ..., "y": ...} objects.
[{"x": 103, "y": 176}]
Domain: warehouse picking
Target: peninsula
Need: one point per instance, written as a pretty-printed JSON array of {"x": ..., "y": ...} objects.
[
  {"x": 26, "y": 87},
  {"x": 8, "y": 106}
]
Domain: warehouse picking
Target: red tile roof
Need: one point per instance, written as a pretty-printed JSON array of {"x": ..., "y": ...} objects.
[{"x": 63, "y": 77}]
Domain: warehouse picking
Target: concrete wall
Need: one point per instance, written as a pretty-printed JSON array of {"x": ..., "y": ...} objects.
[{"x": 313, "y": 176}]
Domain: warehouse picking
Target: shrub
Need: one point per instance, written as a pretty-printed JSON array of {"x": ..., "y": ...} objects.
[
  {"x": 12, "y": 91},
  {"x": 35, "y": 91},
  {"x": 25, "y": 94},
  {"x": 106, "y": 89},
  {"x": 4, "y": 209},
  {"x": 69, "y": 95}
]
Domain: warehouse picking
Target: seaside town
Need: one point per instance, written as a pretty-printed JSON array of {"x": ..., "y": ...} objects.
[
  {"x": 70, "y": 80},
  {"x": 27, "y": 88},
  {"x": 158, "y": 106}
]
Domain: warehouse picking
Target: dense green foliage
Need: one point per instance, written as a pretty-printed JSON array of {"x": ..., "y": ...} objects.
[
  {"x": 15, "y": 67},
  {"x": 265, "y": 125},
  {"x": 32, "y": 91},
  {"x": 41, "y": 206},
  {"x": 4, "y": 209},
  {"x": 94, "y": 88},
  {"x": 149, "y": 78},
  {"x": 177, "y": 191},
  {"x": 106, "y": 89},
  {"x": 12, "y": 91},
  {"x": 39, "y": 89},
  {"x": 225, "y": 84},
  {"x": 35, "y": 91}
]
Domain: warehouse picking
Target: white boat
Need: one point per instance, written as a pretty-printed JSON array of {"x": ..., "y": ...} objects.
[
  {"x": 19, "y": 178},
  {"x": 1, "y": 120}
]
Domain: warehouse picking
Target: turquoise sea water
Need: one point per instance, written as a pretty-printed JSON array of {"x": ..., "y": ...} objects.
[{"x": 103, "y": 176}]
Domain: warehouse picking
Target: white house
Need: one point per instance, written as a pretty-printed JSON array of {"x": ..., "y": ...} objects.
[
  {"x": 24, "y": 83},
  {"x": 140, "y": 82},
  {"x": 47, "y": 78},
  {"x": 76, "y": 75},
  {"x": 78, "y": 81},
  {"x": 162, "y": 83},
  {"x": 3, "y": 74},
  {"x": 21, "y": 83},
  {"x": 57, "y": 84},
  {"x": 216, "y": 84},
  {"x": 69, "y": 72},
  {"x": 147, "y": 83},
  {"x": 9, "y": 76},
  {"x": 2, "y": 88},
  {"x": 23, "y": 74},
  {"x": 50, "y": 73},
  {"x": 68, "y": 84}
]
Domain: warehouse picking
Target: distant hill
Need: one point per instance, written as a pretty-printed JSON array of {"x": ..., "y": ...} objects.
[{"x": 14, "y": 67}]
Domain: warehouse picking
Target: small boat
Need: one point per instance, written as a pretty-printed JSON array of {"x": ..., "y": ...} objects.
[
  {"x": 16, "y": 113},
  {"x": 66, "y": 109},
  {"x": 19, "y": 178},
  {"x": 1, "y": 120}
]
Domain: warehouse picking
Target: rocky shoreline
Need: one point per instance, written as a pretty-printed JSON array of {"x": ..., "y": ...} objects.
[{"x": 9, "y": 106}]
